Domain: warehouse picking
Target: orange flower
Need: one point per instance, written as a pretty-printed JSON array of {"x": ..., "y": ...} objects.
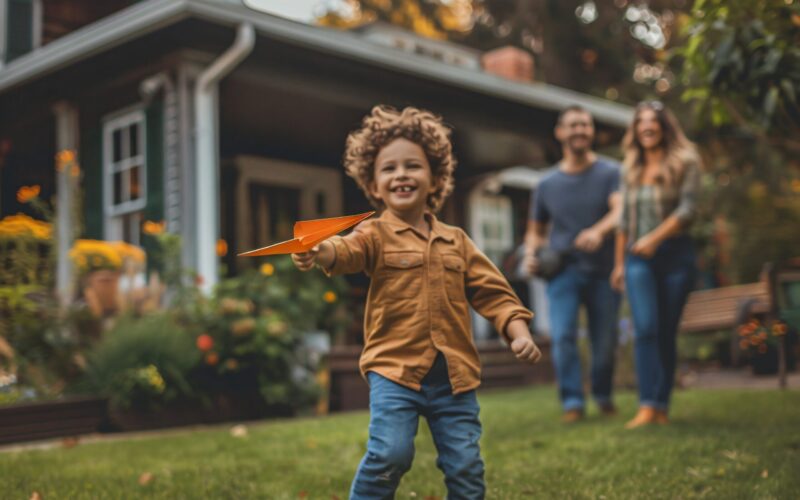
[
  {"x": 779, "y": 329},
  {"x": 267, "y": 269},
  {"x": 222, "y": 248},
  {"x": 212, "y": 358},
  {"x": 154, "y": 228},
  {"x": 744, "y": 344},
  {"x": 205, "y": 342},
  {"x": 75, "y": 171},
  {"x": 27, "y": 193},
  {"x": 762, "y": 348},
  {"x": 329, "y": 297},
  {"x": 231, "y": 364},
  {"x": 63, "y": 158}
]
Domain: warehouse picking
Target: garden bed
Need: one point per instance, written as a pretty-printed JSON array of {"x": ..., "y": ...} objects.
[{"x": 52, "y": 419}]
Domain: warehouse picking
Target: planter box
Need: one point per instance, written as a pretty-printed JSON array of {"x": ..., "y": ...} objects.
[
  {"x": 51, "y": 419},
  {"x": 499, "y": 369},
  {"x": 227, "y": 408}
]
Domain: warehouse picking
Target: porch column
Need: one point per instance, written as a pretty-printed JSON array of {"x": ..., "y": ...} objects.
[
  {"x": 66, "y": 139},
  {"x": 207, "y": 154}
]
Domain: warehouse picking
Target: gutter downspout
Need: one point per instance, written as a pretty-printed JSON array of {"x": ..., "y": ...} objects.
[{"x": 207, "y": 155}]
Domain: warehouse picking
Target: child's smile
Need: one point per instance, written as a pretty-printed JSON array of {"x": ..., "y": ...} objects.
[{"x": 403, "y": 178}]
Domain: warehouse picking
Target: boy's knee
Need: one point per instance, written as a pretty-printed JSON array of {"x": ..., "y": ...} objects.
[{"x": 397, "y": 458}]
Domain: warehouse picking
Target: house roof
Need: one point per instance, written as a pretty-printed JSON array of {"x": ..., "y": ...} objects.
[{"x": 151, "y": 15}]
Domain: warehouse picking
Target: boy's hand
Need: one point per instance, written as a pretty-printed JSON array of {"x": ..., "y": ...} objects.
[
  {"x": 305, "y": 261},
  {"x": 526, "y": 349}
]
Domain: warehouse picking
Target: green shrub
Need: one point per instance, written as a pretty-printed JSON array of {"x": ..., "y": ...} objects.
[{"x": 143, "y": 363}]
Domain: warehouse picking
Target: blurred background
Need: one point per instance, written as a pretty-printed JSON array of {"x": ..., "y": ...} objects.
[{"x": 143, "y": 144}]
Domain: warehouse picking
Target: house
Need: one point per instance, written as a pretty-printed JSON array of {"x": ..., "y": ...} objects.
[{"x": 228, "y": 122}]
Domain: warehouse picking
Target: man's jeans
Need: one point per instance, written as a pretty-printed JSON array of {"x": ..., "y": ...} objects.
[
  {"x": 657, "y": 291},
  {"x": 394, "y": 417},
  {"x": 565, "y": 293}
]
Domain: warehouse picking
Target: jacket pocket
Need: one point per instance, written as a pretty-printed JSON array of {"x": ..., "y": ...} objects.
[
  {"x": 402, "y": 275},
  {"x": 454, "y": 269}
]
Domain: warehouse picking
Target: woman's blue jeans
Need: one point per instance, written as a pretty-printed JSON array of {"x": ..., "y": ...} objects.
[
  {"x": 394, "y": 418},
  {"x": 657, "y": 289}
]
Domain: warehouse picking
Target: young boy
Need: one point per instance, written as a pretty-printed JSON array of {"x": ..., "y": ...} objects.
[{"x": 419, "y": 357}]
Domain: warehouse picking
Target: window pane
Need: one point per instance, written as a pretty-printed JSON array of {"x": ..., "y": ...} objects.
[
  {"x": 136, "y": 191},
  {"x": 117, "y": 189},
  {"x": 134, "y": 129},
  {"x": 116, "y": 145}
]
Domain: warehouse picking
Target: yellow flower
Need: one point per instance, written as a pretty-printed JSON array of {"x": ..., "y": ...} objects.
[
  {"x": 154, "y": 228},
  {"x": 95, "y": 253},
  {"x": 126, "y": 252},
  {"x": 267, "y": 269},
  {"x": 222, "y": 248},
  {"x": 329, "y": 297},
  {"x": 27, "y": 193},
  {"x": 20, "y": 225},
  {"x": 243, "y": 326}
]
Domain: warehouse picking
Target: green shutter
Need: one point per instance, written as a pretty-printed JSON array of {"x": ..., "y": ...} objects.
[
  {"x": 154, "y": 125},
  {"x": 19, "y": 35},
  {"x": 91, "y": 159},
  {"x": 154, "y": 209}
]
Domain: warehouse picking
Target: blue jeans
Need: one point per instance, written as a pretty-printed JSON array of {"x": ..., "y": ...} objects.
[
  {"x": 657, "y": 291},
  {"x": 394, "y": 418},
  {"x": 565, "y": 293}
]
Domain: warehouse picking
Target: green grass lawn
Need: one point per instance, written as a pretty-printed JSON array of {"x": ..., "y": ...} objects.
[{"x": 721, "y": 444}]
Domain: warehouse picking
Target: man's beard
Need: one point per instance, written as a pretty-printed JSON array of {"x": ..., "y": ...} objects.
[{"x": 580, "y": 150}]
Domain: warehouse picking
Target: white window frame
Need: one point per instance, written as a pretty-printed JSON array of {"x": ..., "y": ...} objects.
[{"x": 112, "y": 123}]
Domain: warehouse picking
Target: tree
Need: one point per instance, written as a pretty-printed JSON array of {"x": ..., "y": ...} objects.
[
  {"x": 741, "y": 67},
  {"x": 613, "y": 49},
  {"x": 438, "y": 20}
]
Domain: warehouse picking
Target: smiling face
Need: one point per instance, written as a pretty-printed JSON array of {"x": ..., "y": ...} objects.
[
  {"x": 403, "y": 178},
  {"x": 649, "y": 133},
  {"x": 575, "y": 131}
]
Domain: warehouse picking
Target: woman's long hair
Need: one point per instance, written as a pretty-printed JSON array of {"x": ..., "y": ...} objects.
[{"x": 678, "y": 149}]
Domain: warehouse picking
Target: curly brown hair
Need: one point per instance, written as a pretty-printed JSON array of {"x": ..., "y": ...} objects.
[{"x": 383, "y": 125}]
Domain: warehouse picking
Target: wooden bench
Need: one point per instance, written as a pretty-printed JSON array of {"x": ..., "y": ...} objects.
[
  {"x": 775, "y": 295},
  {"x": 720, "y": 308}
]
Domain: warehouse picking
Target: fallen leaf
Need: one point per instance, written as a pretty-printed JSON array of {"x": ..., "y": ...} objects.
[
  {"x": 302, "y": 494},
  {"x": 764, "y": 474},
  {"x": 145, "y": 478},
  {"x": 239, "y": 431},
  {"x": 69, "y": 442},
  {"x": 36, "y": 496}
]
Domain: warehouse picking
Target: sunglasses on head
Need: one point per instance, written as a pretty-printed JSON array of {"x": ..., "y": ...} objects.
[{"x": 654, "y": 105}]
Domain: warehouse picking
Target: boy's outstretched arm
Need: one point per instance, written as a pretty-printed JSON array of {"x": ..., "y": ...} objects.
[
  {"x": 322, "y": 255},
  {"x": 522, "y": 344}
]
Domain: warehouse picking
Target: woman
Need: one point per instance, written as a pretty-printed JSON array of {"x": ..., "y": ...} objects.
[{"x": 654, "y": 256}]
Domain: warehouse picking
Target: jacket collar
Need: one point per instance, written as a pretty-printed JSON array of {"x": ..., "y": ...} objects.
[{"x": 438, "y": 230}]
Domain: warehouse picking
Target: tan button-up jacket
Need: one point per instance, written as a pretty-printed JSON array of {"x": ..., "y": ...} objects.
[{"x": 419, "y": 297}]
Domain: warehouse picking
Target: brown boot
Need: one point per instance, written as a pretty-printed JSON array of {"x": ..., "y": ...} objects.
[
  {"x": 645, "y": 416},
  {"x": 661, "y": 417},
  {"x": 572, "y": 416},
  {"x": 608, "y": 409}
]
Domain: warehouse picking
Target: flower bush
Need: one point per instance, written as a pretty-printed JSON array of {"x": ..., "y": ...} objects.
[
  {"x": 143, "y": 363},
  {"x": 756, "y": 335}
]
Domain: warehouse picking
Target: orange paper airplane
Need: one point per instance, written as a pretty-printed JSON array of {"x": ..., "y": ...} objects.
[{"x": 308, "y": 233}]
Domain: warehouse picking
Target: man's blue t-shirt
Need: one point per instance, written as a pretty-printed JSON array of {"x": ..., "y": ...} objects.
[{"x": 574, "y": 202}]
